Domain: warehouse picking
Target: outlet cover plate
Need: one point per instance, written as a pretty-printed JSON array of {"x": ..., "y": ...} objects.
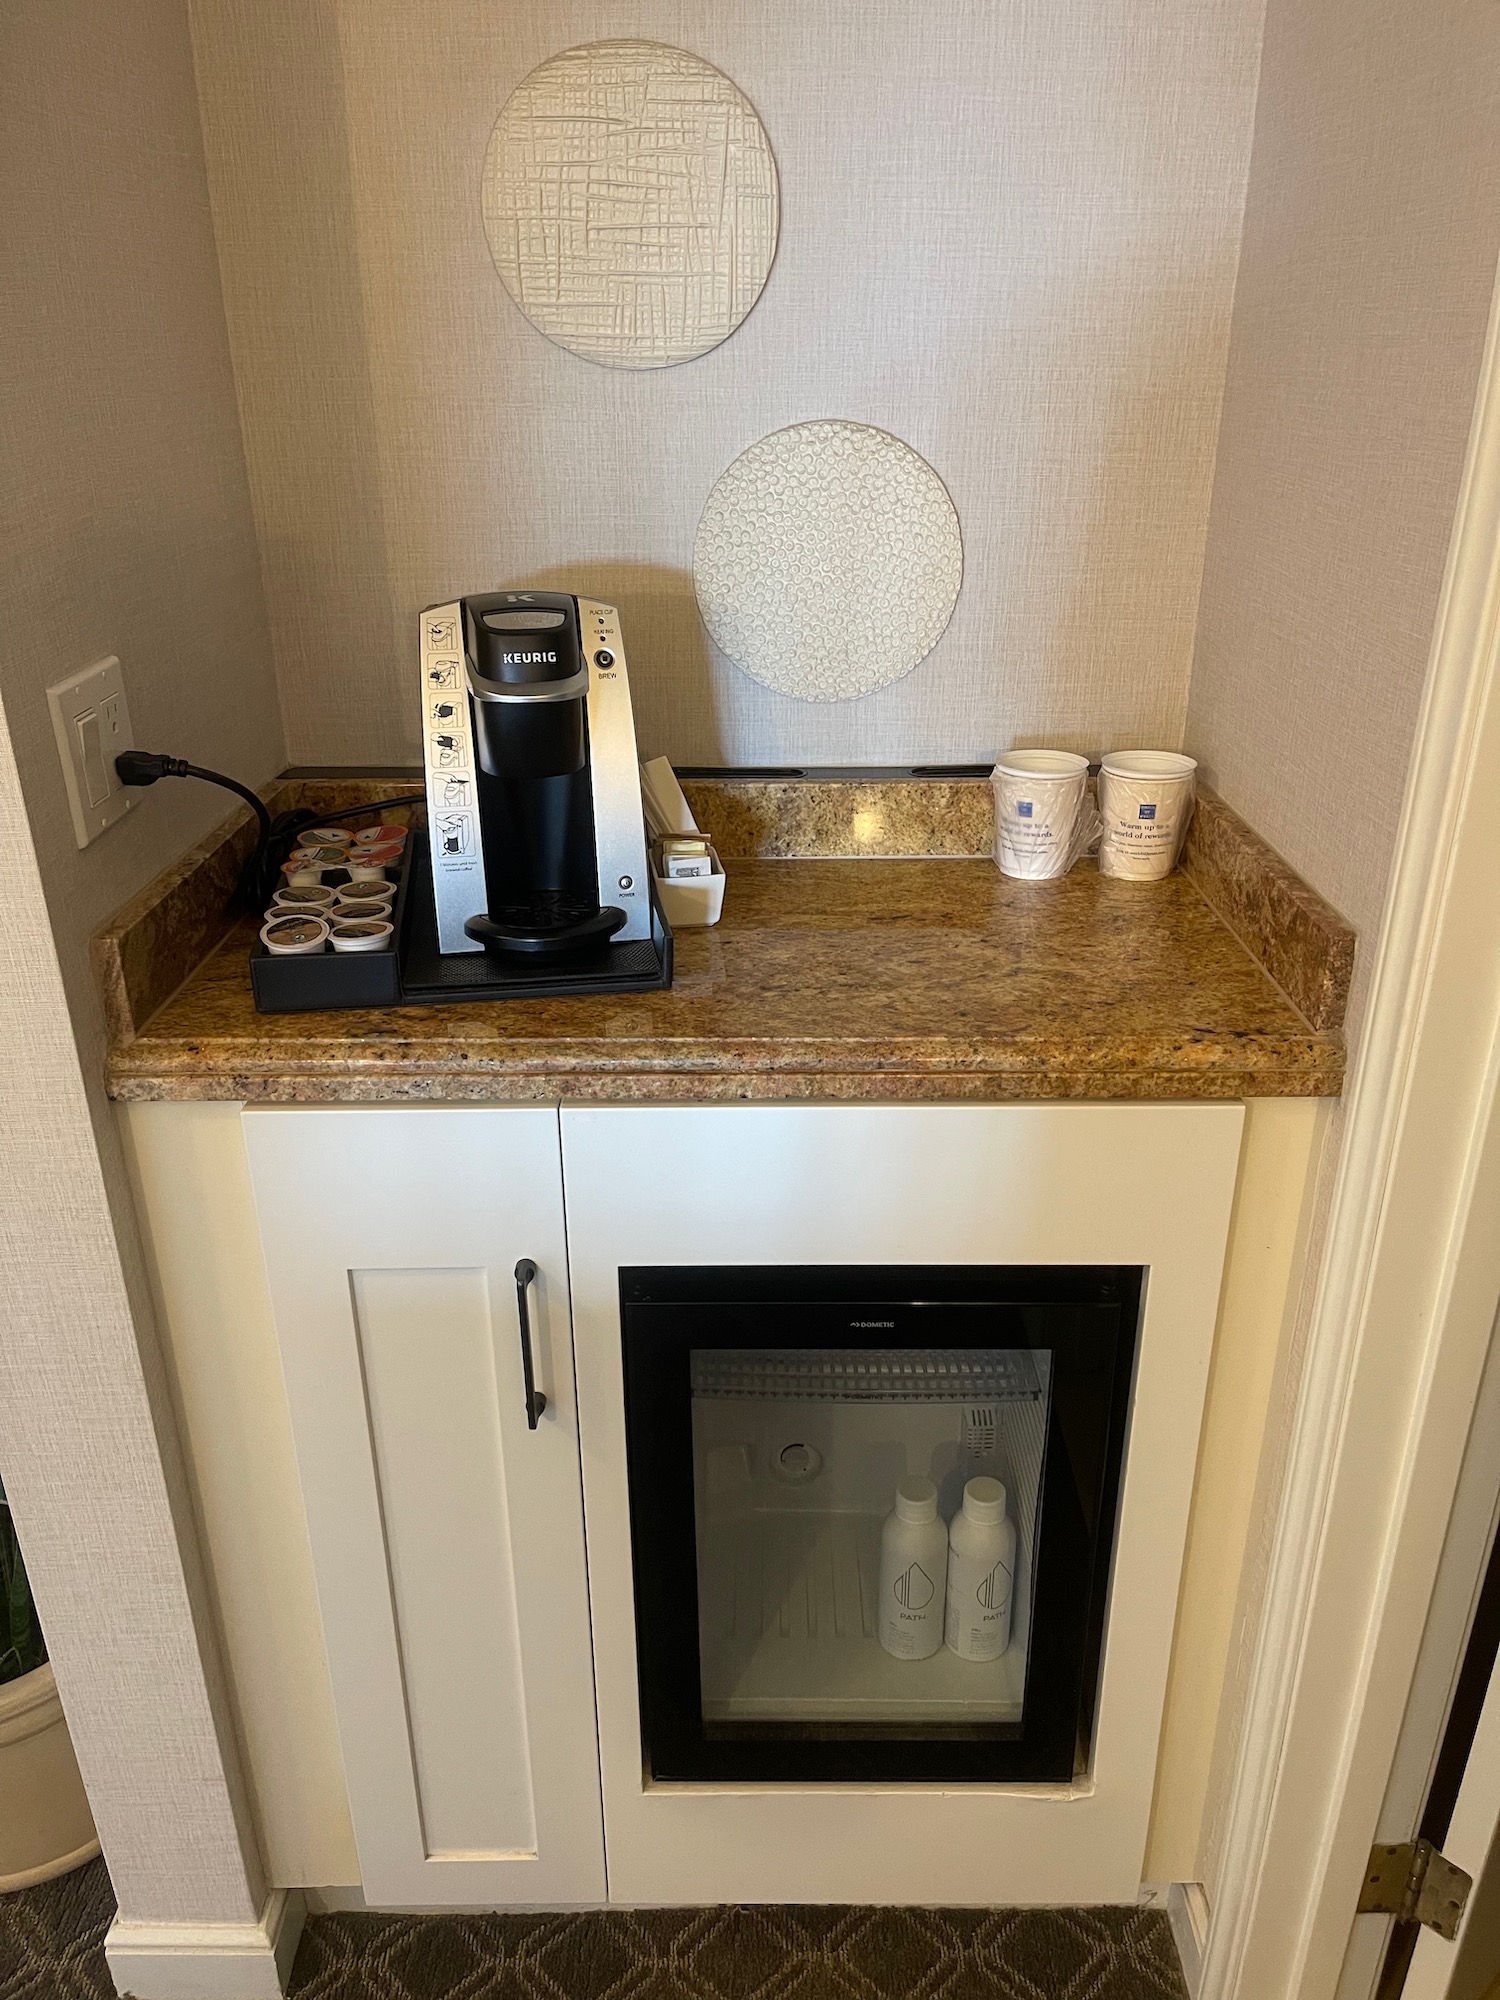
[{"x": 91, "y": 721}]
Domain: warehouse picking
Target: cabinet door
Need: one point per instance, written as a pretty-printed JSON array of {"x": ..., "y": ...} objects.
[{"x": 447, "y": 1534}]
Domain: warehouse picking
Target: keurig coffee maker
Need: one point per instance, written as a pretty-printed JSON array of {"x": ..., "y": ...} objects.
[{"x": 539, "y": 874}]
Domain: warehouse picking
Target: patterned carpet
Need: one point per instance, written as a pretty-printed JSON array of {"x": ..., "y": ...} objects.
[{"x": 51, "y": 1948}]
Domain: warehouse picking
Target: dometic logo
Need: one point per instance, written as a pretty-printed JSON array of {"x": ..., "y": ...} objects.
[
  {"x": 872, "y": 1322},
  {"x": 529, "y": 659}
]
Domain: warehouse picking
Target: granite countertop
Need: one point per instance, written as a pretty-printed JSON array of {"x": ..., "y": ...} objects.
[{"x": 922, "y": 978}]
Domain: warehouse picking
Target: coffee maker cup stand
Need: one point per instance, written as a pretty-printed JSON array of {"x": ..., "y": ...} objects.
[{"x": 429, "y": 976}]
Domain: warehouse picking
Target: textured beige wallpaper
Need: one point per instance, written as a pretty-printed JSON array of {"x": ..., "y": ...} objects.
[
  {"x": 127, "y": 529},
  {"x": 1371, "y": 237},
  {"x": 127, "y": 524},
  {"x": 79, "y": 1449},
  {"x": 1009, "y": 235}
]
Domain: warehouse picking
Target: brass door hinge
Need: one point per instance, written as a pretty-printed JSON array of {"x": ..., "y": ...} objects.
[{"x": 1415, "y": 1885}]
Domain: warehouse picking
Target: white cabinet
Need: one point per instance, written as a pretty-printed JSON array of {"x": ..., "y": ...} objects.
[
  {"x": 447, "y": 1534},
  {"x": 465, "y": 1626}
]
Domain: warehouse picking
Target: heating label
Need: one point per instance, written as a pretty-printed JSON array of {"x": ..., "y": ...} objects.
[{"x": 458, "y": 884}]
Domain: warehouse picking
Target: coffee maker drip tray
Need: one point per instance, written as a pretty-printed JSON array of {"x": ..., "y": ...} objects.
[
  {"x": 643, "y": 965},
  {"x": 549, "y": 926}
]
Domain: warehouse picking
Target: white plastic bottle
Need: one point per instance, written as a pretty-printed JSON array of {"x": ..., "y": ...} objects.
[
  {"x": 913, "y": 1567},
  {"x": 981, "y": 1574}
]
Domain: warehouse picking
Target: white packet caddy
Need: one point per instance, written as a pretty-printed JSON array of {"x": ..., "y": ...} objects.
[{"x": 694, "y": 902}]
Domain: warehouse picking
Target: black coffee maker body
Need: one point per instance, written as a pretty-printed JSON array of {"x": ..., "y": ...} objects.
[{"x": 533, "y": 790}]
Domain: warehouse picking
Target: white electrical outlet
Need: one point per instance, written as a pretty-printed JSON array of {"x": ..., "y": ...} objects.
[{"x": 92, "y": 724}]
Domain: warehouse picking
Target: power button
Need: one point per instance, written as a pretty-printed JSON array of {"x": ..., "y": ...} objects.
[{"x": 604, "y": 657}]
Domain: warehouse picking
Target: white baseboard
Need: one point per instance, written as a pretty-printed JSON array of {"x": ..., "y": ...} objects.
[
  {"x": 1187, "y": 1912},
  {"x": 208, "y": 1961}
]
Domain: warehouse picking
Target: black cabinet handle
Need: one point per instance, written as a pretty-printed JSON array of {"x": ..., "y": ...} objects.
[{"x": 536, "y": 1402}]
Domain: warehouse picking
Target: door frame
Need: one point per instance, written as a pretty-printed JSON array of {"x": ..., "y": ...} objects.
[{"x": 1398, "y": 1327}]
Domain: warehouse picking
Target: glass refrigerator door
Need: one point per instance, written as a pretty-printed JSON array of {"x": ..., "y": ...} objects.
[
  {"x": 874, "y": 1542},
  {"x": 797, "y": 1456}
]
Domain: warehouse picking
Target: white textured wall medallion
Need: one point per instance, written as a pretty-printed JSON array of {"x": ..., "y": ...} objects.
[
  {"x": 828, "y": 560},
  {"x": 631, "y": 203}
]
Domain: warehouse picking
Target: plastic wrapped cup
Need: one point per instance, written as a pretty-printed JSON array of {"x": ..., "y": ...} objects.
[
  {"x": 1145, "y": 802},
  {"x": 1043, "y": 820}
]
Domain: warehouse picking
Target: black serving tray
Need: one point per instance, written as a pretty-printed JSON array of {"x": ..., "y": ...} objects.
[
  {"x": 416, "y": 973},
  {"x": 287, "y": 985}
]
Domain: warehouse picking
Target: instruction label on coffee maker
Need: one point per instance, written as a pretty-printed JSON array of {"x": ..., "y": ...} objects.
[{"x": 458, "y": 884}]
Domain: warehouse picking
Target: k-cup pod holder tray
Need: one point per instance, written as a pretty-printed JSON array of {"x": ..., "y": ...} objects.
[{"x": 288, "y": 984}]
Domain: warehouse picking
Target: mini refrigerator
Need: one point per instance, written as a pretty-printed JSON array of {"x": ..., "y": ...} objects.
[{"x": 770, "y": 1414}]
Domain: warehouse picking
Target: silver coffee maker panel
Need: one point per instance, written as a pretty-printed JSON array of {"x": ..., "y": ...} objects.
[
  {"x": 458, "y": 882},
  {"x": 614, "y": 771}
]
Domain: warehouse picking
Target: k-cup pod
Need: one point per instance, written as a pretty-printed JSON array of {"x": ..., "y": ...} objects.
[
  {"x": 361, "y": 934},
  {"x": 327, "y": 836},
  {"x": 369, "y": 866},
  {"x": 1043, "y": 818},
  {"x": 365, "y": 892},
  {"x": 1145, "y": 802},
  {"x": 300, "y": 873},
  {"x": 330, "y": 854},
  {"x": 294, "y": 936},
  {"x": 313, "y": 897},
  {"x": 380, "y": 836},
  {"x": 349, "y": 908}
]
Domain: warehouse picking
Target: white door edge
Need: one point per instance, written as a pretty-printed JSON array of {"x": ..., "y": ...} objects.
[{"x": 1398, "y": 1327}]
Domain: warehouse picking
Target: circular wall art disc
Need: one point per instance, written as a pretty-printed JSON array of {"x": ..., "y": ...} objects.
[
  {"x": 828, "y": 560},
  {"x": 631, "y": 203}
]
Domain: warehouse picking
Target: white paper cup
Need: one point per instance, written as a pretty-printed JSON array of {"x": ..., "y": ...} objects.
[
  {"x": 1042, "y": 818},
  {"x": 1145, "y": 802}
]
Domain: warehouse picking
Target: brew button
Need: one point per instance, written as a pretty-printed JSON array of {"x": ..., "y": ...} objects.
[
  {"x": 604, "y": 657},
  {"x": 627, "y": 882}
]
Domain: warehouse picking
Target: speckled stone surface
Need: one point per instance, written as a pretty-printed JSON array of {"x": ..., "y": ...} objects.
[
  {"x": 1303, "y": 942},
  {"x": 926, "y": 979},
  {"x": 781, "y": 819}
]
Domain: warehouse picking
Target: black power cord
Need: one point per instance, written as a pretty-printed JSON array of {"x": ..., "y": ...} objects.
[
  {"x": 277, "y": 837},
  {"x": 144, "y": 767}
]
